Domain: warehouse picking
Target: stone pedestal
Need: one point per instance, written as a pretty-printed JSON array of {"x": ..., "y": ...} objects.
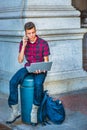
[{"x": 58, "y": 22}]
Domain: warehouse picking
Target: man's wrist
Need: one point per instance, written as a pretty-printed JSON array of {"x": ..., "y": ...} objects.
[{"x": 23, "y": 47}]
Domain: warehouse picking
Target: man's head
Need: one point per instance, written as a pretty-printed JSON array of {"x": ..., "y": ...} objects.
[
  {"x": 29, "y": 25},
  {"x": 30, "y": 31}
]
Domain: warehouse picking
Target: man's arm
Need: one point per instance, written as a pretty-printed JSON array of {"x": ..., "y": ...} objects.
[
  {"x": 21, "y": 54},
  {"x": 46, "y": 58}
]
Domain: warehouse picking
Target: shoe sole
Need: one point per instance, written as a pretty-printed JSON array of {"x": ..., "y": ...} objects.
[{"x": 10, "y": 122}]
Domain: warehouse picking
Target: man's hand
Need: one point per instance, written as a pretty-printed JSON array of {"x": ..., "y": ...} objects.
[
  {"x": 39, "y": 71},
  {"x": 25, "y": 39}
]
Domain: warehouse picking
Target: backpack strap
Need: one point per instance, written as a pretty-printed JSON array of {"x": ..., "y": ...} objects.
[{"x": 42, "y": 108}]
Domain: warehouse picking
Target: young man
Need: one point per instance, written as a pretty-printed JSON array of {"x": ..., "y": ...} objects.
[{"x": 34, "y": 49}]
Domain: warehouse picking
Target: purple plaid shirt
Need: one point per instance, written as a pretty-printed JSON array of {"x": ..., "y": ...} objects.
[{"x": 35, "y": 52}]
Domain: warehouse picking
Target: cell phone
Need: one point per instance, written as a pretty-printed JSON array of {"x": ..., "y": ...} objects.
[{"x": 25, "y": 37}]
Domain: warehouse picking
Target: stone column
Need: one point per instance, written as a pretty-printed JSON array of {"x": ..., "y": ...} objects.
[{"x": 58, "y": 22}]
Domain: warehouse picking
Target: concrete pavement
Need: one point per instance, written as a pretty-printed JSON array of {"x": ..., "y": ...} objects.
[{"x": 75, "y": 104}]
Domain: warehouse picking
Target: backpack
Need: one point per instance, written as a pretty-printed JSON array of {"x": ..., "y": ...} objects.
[{"x": 51, "y": 109}]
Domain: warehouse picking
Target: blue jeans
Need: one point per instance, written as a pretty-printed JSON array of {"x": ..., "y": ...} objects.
[{"x": 18, "y": 79}]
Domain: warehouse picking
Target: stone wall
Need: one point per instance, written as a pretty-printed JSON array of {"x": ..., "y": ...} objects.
[{"x": 58, "y": 22}]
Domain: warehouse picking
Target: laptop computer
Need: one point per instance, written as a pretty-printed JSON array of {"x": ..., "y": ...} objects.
[{"x": 42, "y": 66}]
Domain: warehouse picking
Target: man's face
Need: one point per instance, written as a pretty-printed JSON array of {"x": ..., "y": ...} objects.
[{"x": 31, "y": 34}]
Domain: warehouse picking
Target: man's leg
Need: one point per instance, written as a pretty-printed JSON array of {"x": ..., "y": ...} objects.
[
  {"x": 13, "y": 96},
  {"x": 38, "y": 92},
  {"x": 38, "y": 87}
]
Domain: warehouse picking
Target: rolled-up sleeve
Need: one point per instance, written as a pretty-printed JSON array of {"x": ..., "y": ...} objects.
[{"x": 46, "y": 50}]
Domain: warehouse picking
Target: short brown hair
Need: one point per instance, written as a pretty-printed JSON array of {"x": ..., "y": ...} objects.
[{"x": 29, "y": 25}]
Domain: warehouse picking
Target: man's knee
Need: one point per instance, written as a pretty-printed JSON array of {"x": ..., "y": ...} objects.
[{"x": 12, "y": 82}]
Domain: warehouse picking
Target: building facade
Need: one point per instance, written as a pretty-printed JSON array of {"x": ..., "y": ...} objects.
[{"x": 59, "y": 23}]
